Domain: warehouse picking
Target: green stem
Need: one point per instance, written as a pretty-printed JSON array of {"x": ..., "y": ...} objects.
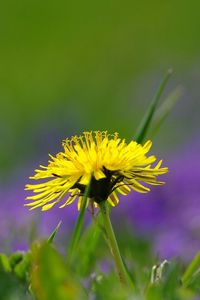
[{"x": 113, "y": 244}]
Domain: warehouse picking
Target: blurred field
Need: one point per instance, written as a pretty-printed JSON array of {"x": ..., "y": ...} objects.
[{"x": 71, "y": 66}]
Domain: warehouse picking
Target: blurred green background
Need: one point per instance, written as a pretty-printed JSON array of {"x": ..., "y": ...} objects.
[{"x": 68, "y": 66}]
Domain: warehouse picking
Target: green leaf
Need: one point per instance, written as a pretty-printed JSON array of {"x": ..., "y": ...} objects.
[
  {"x": 144, "y": 125},
  {"x": 79, "y": 224},
  {"x": 51, "y": 277},
  {"x": 21, "y": 269},
  {"x": 4, "y": 263},
  {"x": 16, "y": 258},
  {"x": 165, "y": 108},
  {"x": 191, "y": 270},
  {"x": 52, "y": 236},
  {"x": 10, "y": 273}
]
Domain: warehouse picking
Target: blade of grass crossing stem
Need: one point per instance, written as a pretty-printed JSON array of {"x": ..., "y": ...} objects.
[
  {"x": 144, "y": 125},
  {"x": 191, "y": 269},
  {"x": 88, "y": 248},
  {"x": 163, "y": 111},
  {"x": 52, "y": 236},
  {"x": 79, "y": 224}
]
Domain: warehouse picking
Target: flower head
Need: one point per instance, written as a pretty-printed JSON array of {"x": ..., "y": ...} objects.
[{"x": 108, "y": 163}]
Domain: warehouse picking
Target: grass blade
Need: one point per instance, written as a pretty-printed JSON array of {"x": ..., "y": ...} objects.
[
  {"x": 52, "y": 236},
  {"x": 163, "y": 111},
  {"x": 144, "y": 125},
  {"x": 191, "y": 269},
  {"x": 88, "y": 249},
  {"x": 79, "y": 224}
]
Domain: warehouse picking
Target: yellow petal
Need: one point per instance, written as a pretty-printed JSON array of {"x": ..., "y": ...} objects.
[
  {"x": 69, "y": 201},
  {"x": 48, "y": 206},
  {"x": 85, "y": 179},
  {"x": 138, "y": 187},
  {"x": 123, "y": 189},
  {"x": 99, "y": 175},
  {"x": 113, "y": 199}
]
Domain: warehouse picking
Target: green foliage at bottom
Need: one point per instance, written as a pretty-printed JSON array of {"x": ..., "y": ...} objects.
[
  {"x": 51, "y": 277},
  {"x": 43, "y": 273}
]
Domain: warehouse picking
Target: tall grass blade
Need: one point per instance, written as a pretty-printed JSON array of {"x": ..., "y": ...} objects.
[
  {"x": 52, "y": 236},
  {"x": 144, "y": 125},
  {"x": 165, "y": 108},
  {"x": 191, "y": 270}
]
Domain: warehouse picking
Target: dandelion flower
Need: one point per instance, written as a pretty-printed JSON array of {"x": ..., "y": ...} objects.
[{"x": 108, "y": 163}]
